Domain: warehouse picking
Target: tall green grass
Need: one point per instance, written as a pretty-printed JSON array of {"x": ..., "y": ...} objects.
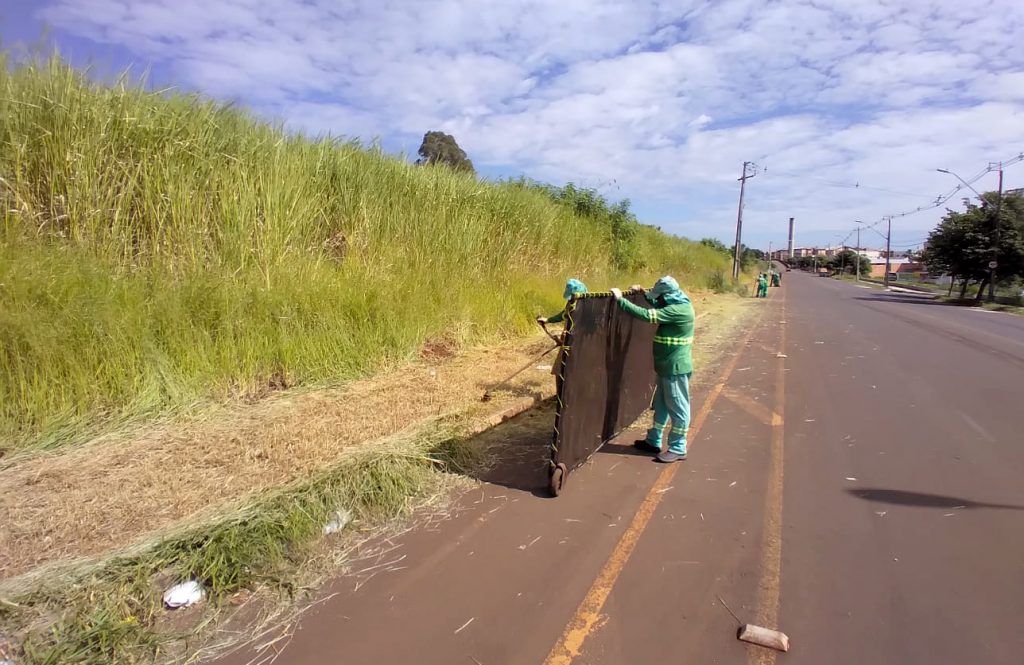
[{"x": 160, "y": 249}]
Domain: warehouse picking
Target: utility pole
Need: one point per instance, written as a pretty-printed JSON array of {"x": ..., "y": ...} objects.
[
  {"x": 993, "y": 264},
  {"x": 771, "y": 264},
  {"x": 737, "y": 252},
  {"x": 858, "y": 253},
  {"x": 888, "y": 237}
]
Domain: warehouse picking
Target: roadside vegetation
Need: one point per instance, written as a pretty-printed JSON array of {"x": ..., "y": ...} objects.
[
  {"x": 168, "y": 263},
  {"x": 159, "y": 250},
  {"x": 964, "y": 243}
]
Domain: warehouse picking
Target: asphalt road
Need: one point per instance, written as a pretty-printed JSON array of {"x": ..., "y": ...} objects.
[
  {"x": 856, "y": 479},
  {"x": 921, "y": 558}
]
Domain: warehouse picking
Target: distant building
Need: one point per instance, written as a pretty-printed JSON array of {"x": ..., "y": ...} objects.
[
  {"x": 799, "y": 252},
  {"x": 899, "y": 267},
  {"x": 826, "y": 252}
]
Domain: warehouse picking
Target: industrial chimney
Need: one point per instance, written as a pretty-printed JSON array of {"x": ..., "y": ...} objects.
[{"x": 789, "y": 250}]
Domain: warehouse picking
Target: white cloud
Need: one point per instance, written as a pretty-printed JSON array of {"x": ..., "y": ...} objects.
[
  {"x": 700, "y": 121},
  {"x": 828, "y": 94},
  {"x": 1005, "y": 86}
]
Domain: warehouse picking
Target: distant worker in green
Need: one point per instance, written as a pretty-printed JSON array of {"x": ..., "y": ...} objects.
[
  {"x": 673, "y": 364},
  {"x": 762, "y": 286},
  {"x": 776, "y": 279}
]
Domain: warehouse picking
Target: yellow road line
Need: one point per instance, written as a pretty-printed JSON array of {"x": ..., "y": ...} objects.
[
  {"x": 754, "y": 408},
  {"x": 771, "y": 545},
  {"x": 588, "y": 615}
]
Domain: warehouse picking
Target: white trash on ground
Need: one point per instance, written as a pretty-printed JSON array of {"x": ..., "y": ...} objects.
[
  {"x": 185, "y": 594},
  {"x": 765, "y": 637},
  {"x": 337, "y": 522}
]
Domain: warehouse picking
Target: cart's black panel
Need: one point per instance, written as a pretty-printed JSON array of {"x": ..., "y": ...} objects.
[{"x": 607, "y": 376}]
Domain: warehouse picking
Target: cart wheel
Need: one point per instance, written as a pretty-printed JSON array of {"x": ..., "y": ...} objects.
[{"x": 556, "y": 481}]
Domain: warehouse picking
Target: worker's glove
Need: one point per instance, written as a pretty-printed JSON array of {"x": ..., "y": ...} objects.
[
  {"x": 541, "y": 320},
  {"x": 636, "y": 288},
  {"x": 617, "y": 293}
]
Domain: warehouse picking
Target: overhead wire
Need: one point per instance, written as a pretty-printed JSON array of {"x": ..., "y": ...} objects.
[
  {"x": 940, "y": 200},
  {"x": 993, "y": 166},
  {"x": 843, "y": 185}
]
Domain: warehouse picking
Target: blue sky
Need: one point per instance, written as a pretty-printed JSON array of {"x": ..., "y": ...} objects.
[{"x": 847, "y": 106}]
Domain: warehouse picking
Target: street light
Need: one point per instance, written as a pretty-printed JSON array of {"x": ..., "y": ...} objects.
[
  {"x": 966, "y": 184},
  {"x": 995, "y": 226}
]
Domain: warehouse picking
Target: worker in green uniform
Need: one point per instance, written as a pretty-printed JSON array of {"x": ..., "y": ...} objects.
[
  {"x": 673, "y": 364},
  {"x": 762, "y": 286},
  {"x": 572, "y": 287},
  {"x": 776, "y": 278}
]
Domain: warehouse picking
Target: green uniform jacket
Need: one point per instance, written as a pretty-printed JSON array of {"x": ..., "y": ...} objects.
[
  {"x": 673, "y": 341},
  {"x": 557, "y": 318}
]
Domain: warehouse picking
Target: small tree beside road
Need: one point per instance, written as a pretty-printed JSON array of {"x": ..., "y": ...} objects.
[
  {"x": 846, "y": 262},
  {"x": 961, "y": 245}
]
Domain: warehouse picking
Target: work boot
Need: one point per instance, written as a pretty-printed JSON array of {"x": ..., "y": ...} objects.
[
  {"x": 668, "y": 457},
  {"x": 646, "y": 446}
]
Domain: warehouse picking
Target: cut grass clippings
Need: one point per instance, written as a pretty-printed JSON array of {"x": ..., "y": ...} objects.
[
  {"x": 113, "y": 612},
  {"x": 86, "y": 501}
]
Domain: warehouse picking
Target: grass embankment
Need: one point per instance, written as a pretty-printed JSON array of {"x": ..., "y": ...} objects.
[{"x": 161, "y": 252}]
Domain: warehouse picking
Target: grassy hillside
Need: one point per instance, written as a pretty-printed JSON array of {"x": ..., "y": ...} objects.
[{"x": 160, "y": 250}]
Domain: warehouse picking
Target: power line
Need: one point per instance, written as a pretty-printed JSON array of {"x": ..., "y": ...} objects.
[
  {"x": 839, "y": 184},
  {"x": 992, "y": 166},
  {"x": 940, "y": 200},
  {"x": 878, "y": 232}
]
